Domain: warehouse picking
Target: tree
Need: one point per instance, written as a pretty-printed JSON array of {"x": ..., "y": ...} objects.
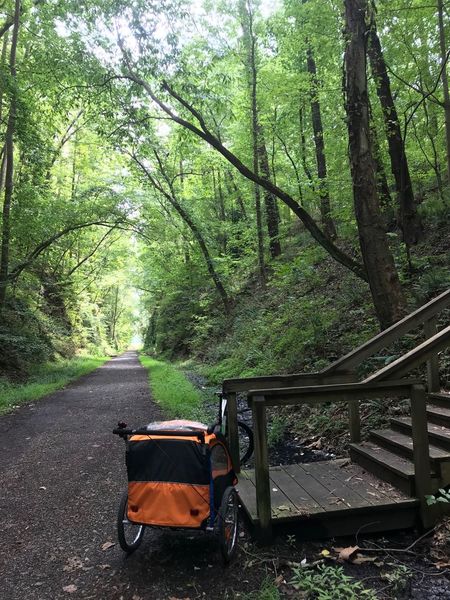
[
  {"x": 381, "y": 271},
  {"x": 444, "y": 60},
  {"x": 9, "y": 159},
  {"x": 409, "y": 219}
]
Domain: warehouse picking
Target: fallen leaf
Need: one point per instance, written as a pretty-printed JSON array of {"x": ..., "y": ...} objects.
[
  {"x": 107, "y": 545},
  {"x": 345, "y": 553},
  {"x": 70, "y": 589},
  {"x": 103, "y": 567},
  {"x": 73, "y": 563},
  {"x": 325, "y": 552},
  {"x": 42, "y": 487},
  {"x": 278, "y": 580}
]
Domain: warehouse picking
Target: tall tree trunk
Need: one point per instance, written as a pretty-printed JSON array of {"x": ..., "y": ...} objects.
[
  {"x": 9, "y": 157},
  {"x": 383, "y": 278},
  {"x": 259, "y": 149},
  {"x": 220, "y": 203},
  {"x": 382, "y": 184},
  {"x": 316, "y": 117},
  {"x": 272, "y": 212},
  {"x": 303, "y": 148},
  {"x": 444, "y": 77},
  {"x": 409, "y": 220}
]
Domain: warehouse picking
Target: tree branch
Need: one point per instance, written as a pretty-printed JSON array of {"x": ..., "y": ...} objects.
[{"x": 205, "y": 134}]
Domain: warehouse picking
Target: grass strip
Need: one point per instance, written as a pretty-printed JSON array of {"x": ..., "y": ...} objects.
[
  {"x": 171, "y": 390},
  {"x": 46, "y": 379}
]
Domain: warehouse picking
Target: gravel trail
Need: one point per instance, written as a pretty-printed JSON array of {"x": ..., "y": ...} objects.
[{"x": 61, "y": 476}]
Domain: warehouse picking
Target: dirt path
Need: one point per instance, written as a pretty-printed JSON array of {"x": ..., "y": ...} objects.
[{"x": 61, "y": 476}]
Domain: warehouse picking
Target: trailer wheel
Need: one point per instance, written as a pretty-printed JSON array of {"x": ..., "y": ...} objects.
[
  {"x": 228, "y": 517},
  {"x": 130, "y": 534}
]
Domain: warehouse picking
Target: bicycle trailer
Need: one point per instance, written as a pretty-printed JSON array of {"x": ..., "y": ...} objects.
[{"x": 180, "y": 475}]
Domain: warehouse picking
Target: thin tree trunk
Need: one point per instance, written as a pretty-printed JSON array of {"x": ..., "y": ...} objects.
[
  {"x": 260, "y": 160},
  {"x": 444, "y": 77},
  {"x": 220, "y": 203},
  {"x": 272, "y": 212},
  {"x": 409, "y": 220},
  {"x": 233, "y": 189},
  {"x": 383, "y": 278},
  {"x": 316, "y": 117},
  {"x": 9, "y": 157},
  {"x": 303, "y": 148},
  {"x": 3, "y": 63}
]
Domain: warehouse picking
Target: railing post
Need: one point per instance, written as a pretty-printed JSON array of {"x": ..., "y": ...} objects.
[
  {"x": 233, "y": 433},
  {"x": 263, "y": 502},
  {"x": 430, "y": 329},
  {"x": 421, "y": 452},
  {"x": 354, "y": 421}
]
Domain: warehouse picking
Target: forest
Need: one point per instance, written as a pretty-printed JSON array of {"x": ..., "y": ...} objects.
[
  {"x": 225, "y": 190},
  {"x": 255, "y": 186}
]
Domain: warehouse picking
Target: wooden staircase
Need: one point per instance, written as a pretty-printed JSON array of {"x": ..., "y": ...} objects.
[
  {"x": 389, "y": 453},
  {"x": 413, "y": 454}
]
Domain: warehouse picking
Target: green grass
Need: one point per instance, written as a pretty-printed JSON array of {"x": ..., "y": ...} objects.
[
  {"x": 267, "y": 591},
  {"x": 171, "y": 390},
  {"x": 46, "y": 379}
]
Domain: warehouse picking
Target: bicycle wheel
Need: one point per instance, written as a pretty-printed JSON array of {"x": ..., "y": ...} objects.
[
  {"x": 130, "y": 534},
  {"x": 246, "y": 444},
  {"x": 228, "y": 517}
]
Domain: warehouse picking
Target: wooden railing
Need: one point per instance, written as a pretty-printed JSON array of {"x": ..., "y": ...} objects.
[
  {"x": 343, "y": 369},
  {"x": 425, "y": 316},
  {"x": 351, "y": 393}
]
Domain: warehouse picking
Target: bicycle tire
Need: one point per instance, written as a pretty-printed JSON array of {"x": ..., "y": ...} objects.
[{"x": 248, "y": 445}]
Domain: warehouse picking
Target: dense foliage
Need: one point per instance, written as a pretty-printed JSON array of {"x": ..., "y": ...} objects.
[{"x": 182, "y": 171}]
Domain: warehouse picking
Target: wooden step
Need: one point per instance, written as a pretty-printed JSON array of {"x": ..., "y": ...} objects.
[
  {"x": 385, "y": 464},
  {"x": 388, "y": 466},
  {"x": 438, "y": 435},
  {"x": 401, "y": 443},
  {"x": 440, "y": 415},
  {"x": 440, "y": 398}
]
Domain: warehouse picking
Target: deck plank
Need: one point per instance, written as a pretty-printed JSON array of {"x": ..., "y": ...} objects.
[
  {"x": 280, "y": 503},
  {"x": 331, "y": 499},
  {"x": 369, "y": 486},
  {"x": 328, "y": 477},
  {"x": 298, "y": 496},
  {"x": 314, "y": 488}
]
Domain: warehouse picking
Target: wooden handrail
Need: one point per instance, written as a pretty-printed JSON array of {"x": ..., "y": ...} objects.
[
  {"x": 264, "y": 382},
  {"x": 342, "y": 370},
  {"x": 419, "y": 355},
  {"x": 354, "y": 358},
  {"x": 335, "y": 393}
]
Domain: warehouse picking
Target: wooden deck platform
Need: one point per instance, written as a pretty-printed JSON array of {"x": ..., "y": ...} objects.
[{"x": 330, "y": 498}]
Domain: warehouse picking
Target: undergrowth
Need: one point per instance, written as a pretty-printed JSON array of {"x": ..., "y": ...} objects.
[
  {"x": 329, "y": 583},
  {"x": 46, "y": 379},
  {"x": 171, "y": 390}
]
